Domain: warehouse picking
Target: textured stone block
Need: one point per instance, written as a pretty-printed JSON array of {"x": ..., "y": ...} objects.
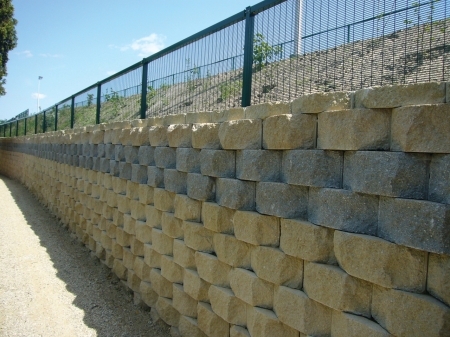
[
  {"x": 232, "y": 251},
  {"x": 188, "y": 326},
  {"x": 423, "y": 314},
  {"x": 146, "y": 194},
  {"x": 163, "y": 200},
  {"x": 431, "y": 136},
  {"x": 174, "y": 119},
  {"x": 187, "y": 208},
  {"x": 170, "y": 270},
  {"x": 184, "y": 303},
  {"x": 273, "y": 265},
  {"x": 143, "y": 232},
  {"x": 212, "y": 270},
  {"x": 119, "y": 154},
  {"x": 200, "y": 187},
  {"x": 146, "y": 155},
  {"x": 161, "y": 243},
  {"x": 400, "y": 95},
  {"x": 395, "y": 174},
  {"x": 295, "y": 309},
  {"x": 344, "y": 210},
  {"x": 198, "y": 117},
  {"x": 172, "y": 226},
  {"x": 282, "y": 200},
  {"x": 113, "y": 168},
  {"x": 217, "y": 218},
  {"x": 251, "y": 289},
  {"x": 381, "y": 262},
  {"x": 153, "y": 216},
  {"x": 335, "y": 289},
  {"x": 110, "y": 151},
  {"x": 128, "y": 258},
  {"x": 123, "y": 204},
  {"x": 312, "y": 168},
  {"x": 167, "y": 312},
  {"x": 158, "y": 136},
  {"x": 241, "y": 134},
  {"x": 258, "y": 165},
  {"x": 235, "y": 194},
  {"x": 155, "y": 176},
  {"x": 321, "y": 101},
  {"x": 151, "y": 257},
  {"x": 210, "y": 323},
  {"x": 415, "y": 223},
  {"x": 183, "y": 255},
  {"x": 306, "y": 241},
  {"x": 133, "y": 281},
  {"x": 264, "y": 110},
  {"x": 287, "y": 132},
  {"x": 165, "y": 157},
  {"x": 238, "y": 331},
  {"x": 264, "y": 323},
  {"x": 194, "y": 286},
  {"x": 131, "y": 154},
  {"x": 357, "y": 129},
  {"x": 132, "y": 192},
  {"x": 227, "y": 306},
  {"x": 161, "y": 285},
  {"x": 227, "y": 115},
  {"x": 120, "y": 270},
  {"x": 141, "y": 269},
  {"x": 179, "y": 135},
  {"x": 125, "y": 171},
  {"x": 122, "y": 237},
  {"x": 197, "y": 237},
  {"x": 137, "y": 247},
  {"x": 139, "y": 173},
  {"x": 438, "y": 276},
  {"x": 218, "y": 163},
  {"x": 137, "y": 210},
  {"x": 257, "y": 229},
  {"x": 149, "y": 296},
  {"x": 440, "y": 179},
  {"x": 188, "y": 160},
  {"x": 175, "y": 181},
  {"x": 345, "y": 324},
  {"x": 205, "y": 136}
]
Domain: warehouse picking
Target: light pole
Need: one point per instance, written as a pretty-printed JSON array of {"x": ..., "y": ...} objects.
[
  {"x": 298, "y": 27},
  {"x": 38, "y": 95}
]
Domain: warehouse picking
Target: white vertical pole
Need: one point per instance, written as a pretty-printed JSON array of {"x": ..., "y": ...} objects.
[
  {"x": 39, "y": 84},
  {"x": 298, "y": 27}
]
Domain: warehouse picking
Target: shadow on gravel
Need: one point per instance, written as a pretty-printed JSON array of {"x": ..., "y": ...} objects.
[{"x": 107, "y": 305}]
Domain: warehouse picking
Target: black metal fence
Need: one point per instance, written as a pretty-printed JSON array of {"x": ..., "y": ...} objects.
[{"x": 276, "y": 50}]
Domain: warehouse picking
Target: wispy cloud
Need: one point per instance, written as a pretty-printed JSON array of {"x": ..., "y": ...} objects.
[
  {"x": 25, "y": 53},
  {"x": 51, "y": 55},
  {"x": 35, "y": 95},
  {"x": 146, "y": 46}
]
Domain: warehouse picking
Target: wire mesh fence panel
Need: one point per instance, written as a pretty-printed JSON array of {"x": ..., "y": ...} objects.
[
  {"x": 40, "y": 123},
  {"x": 121, "y": 97},
  {"x": 31, "y": 125},
  {"x": 85, "y": 108},
  {"x": 203, "y": 75},
  {"x": 21, "y": 127},
  {"x": 13, "y": 129},
  {"x": 50, "y": 119},
  {"x": 64, "y": 115}
]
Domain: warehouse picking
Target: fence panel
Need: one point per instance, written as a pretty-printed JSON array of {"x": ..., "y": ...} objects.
[
  {"x": 21, "y": 127},
  {"x": 31, "y": 124},
  {"x": 40, "y": 123},
  {"x": 85, "y": 108},
  {"x": 64, "y": 114}
]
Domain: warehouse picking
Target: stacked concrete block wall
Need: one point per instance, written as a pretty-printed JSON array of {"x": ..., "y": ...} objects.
[{"x": 325, "y": 216}]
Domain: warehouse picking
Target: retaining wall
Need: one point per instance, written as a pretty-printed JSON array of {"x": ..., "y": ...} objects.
[{"x": 327, "y": 216}]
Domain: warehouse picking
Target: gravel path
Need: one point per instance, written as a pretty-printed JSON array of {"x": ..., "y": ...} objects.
[{"x": 51, "y": 285}]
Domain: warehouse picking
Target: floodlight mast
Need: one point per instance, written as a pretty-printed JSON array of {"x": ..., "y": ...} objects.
[
  {"x": 298, "y": 27},
  {"x": 38, "y": 95}
]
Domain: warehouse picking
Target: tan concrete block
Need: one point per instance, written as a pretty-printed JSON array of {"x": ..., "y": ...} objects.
[
  {"x": 407, "y": 314},
  {"x": 251, "y": 289},
  {"x": 143, "y": 232},
  {"x": 119, "y": 185},
  {"x": 227, "y": 115},
  {"x": 295, "y": 309},
  {"x": 217, "y": 218},
  {"x": 431, "y": 136},
  {"x": 185, "y": 304},
  {"x": 290, "y": 132},
  {"x": 257, "y": 229},
  {"x": 164, "y": 200},
  {"x": 241, "y": 134},
  {"x": 133, "y": 281},
  {"x": 188, "y": 326},
  {"x": 227, "y": 306},
  {"x": 153, "y": 216},
  {"x": 151, "y": 257},
  {"x": 345, "y": 325},
  {"x": 158, "y": 136},
  {"x": 356, "y": 129},
  {"x": 123, "y": 204},
  {"x": 122, "y": 237},
  {"x": 125, "y": 137},
  {"x": 117, "y": 250},
  {"x": 174, "y": 119},
  {"x": 162, "y": 243},
  {"x": 140, "y": 136},
  {"x": 194, "y": 286},
  {"x": 132, "y": 190},
  {"x": 197, "y": 237},
  {"x": 111, "y": 199},
  {"x": 205, "y": 136},
  {"x": 264, "y": 110},
  {"x": 183, "y": 255},
  {"x": 141, "y": 269},
  {"x": 179, "y": 135},
  {"x": 106, "y": 240},
  {"x": 96, "y": 233},
  {"x": 167, "y": 312},
  {"x": 172, "y": 226},
  {"x": 211, "y": 324},
  {"x": 146, "y": 194},
  {"x": 238, "y": 331},
  {"x": 137, "y": 247},
  {"x": 264, "y": 323},
  {"x": 187, "y": 208},
  {"x": 198, "y": 117},
  {"x": 232, "y": 251},
  {"x": 212, "y": 270},
  {"x": 381, "y": 262},
  {"x": 162, "y": 286},
  {"x": 321, "y": 101},
  {"x": 119, "y": 269},
  {"x": 272, "y": 265},
  {"x": 170, "y": 270},
  {"x": 333, "y": 287},
  {"x": 149, "y": 296},
  {"x": 129, "y": 224},
  {"x": 438, "y": 283},
  {"x": 137, "y": 210}
]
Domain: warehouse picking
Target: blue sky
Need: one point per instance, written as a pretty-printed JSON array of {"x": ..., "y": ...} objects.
[{"x": 74, "y": 44}]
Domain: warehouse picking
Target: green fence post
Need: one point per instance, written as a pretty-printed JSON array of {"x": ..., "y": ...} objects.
[
  {"x": 25, "y": 131},
  {"x": 248, "y": 58},
  {"x": 10, "y": 130},
  {"x": 99, "y": 101},
  {"x": 72, "y": 112},
  {"x": 17, "y": 128},
  {"x": 56, "y": 118},
  {"x": 144, "y": 89}
]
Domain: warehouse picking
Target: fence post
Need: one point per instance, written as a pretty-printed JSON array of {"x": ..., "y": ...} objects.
[
  {"x": 248, "y": 58},
  {"x": 72, "y": 112},
  {"x": 25, "y": 131},
  {"x": 44, "y": 126},
  {"x": 99, "y": 101},
  {"x": 144, "y": 89},
  {"x": 17, "y": 128},
  {"x": 56, "y": 118},
  {"x": 10, "y": 130}
]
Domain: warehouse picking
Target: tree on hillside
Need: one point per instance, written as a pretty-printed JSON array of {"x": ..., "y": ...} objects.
[{"x": 8, "y": 38}]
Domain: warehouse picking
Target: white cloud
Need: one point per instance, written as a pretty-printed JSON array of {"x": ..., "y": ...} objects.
[
  {"x": 25, "y": 53},
  {"x": 51, "y": 55},
  {"x": 35, "y": 95},
  {"x": 146, "y": 46}
]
